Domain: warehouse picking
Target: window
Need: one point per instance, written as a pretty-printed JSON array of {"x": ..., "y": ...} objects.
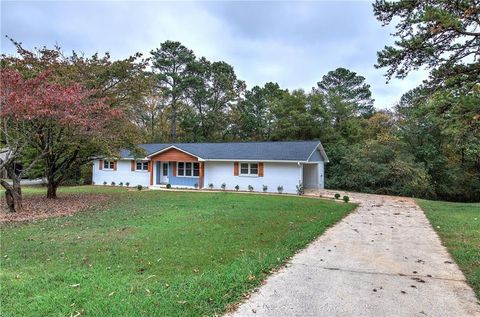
[
  {"x": 249, "y": 169},
  {"x": 188, "y": 169},
  {"x": 165, "y": 169},
  {"x": 196, "y": 169},
  {"x": 108, "y": 165},
  {"x": 142, "y": 166}
]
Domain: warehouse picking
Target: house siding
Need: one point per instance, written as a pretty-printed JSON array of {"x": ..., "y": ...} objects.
[
  {"x": 316, "y": 157},
  {"x": 313, "y": 175},
  {"x": 122, "y": 174},
  {"x": 287, "y": 175},
  {"x": 179, "y": 181}
]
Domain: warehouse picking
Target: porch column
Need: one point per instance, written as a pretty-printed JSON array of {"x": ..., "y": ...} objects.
[
  {"x": 200, "y": 180},
  {"x": 150, "y": 170}
]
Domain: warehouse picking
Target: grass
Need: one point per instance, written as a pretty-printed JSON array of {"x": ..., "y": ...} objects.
[
  {"x": 154, "y": 252},
  {"x": 458, "y": 225}
]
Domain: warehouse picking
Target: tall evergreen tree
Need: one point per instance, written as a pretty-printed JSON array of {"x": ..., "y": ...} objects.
[{"x": 171, "y": 65}]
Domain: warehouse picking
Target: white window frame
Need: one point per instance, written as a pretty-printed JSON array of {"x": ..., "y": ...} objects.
[
  {"x": 185, "y": 169},
  {"x": 107, "y": 164},
  {"x": 143, "y": 165},
  {"x": 249, "y": 165}
]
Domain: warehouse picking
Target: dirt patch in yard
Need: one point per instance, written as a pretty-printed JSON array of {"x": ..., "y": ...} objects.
[{"x": 39, "y": 207}]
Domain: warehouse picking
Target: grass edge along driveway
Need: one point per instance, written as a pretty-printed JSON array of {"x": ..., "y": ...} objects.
[
  {"x": 155, "y": 252},
  {"x": 458, "y": 225}
]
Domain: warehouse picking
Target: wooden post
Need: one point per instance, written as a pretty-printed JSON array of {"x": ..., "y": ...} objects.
[
  {"x": 150, "y": 170},
  {"x": 202, "y": 172}
]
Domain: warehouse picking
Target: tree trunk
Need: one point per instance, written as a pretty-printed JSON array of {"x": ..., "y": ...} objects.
[
  {"x": 13, "y": 197},
  {"x": 173, "y": 129},
  {"x": 52, "y": 189}
]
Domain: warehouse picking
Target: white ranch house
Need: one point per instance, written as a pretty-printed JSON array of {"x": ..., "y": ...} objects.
[{"x": 197, "y": 165}]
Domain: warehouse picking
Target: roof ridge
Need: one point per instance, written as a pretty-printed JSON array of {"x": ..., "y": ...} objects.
[{"x": 239, "y": 142}]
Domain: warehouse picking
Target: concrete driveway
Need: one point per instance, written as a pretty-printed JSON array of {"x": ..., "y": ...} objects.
[{"x": 384, "y": 259}]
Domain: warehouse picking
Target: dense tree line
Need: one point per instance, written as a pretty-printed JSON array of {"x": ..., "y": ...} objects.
[{"x": 427, "y": 145}]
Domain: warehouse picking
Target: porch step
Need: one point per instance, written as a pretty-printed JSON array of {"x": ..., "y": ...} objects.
[{"x": 159, "y": 186}]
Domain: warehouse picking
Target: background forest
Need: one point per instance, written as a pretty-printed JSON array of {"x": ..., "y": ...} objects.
[{"x": 427, "y": 145}]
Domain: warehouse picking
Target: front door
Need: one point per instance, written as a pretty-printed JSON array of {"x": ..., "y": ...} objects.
[{"x": 164, "y": 173}]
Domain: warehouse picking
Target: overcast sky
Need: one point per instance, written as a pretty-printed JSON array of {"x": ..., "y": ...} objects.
[{"x": 292, "y": 43}]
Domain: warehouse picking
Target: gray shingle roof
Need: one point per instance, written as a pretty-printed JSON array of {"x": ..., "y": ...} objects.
[{"x": 281, "y": 151}]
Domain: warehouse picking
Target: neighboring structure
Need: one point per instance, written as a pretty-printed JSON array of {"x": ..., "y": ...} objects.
[
  {"x": 200, "y": 165},
  {"x": 3, "y": 156},
  {"x": 4, "y": 153}
]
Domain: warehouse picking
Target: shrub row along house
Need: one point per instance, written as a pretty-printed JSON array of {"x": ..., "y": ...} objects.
[{"x": 240, "y": 165}]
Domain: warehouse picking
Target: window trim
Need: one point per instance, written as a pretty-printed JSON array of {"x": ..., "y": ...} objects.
[
  {"x": 249, "y": 174},
  {"x": 191, "y": 169},
  {"x": 141, "y": 170},
  {"x": 109, "y": 163}
]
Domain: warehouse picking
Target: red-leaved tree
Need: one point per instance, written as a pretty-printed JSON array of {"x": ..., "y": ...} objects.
[{"x": 64, "y": 124}]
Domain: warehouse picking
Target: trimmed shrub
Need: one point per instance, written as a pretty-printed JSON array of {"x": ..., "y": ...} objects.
[
  {"x": 210, "y": 186},
  {"x": 280, "y": 189},
  {"x": 250, "y": 188},
  {"x": 264, "y": 188},
  {"x": 169, "y": 186},
  {"x": 113, "y": 184},
  {"x": 120, "y": 184},
  {"x": 93, "y": 183},
  {"x": 337, "y": 196},
  {"x": 346, "y": 199},
  {"x": 127, "y": 184},
  {"x": 237, "y": 187},
  {"x": 195, "y": 185},
  {"x": 104, "y": 183},
  {"x": 223, "y": 186},
  {"x": 139, "y": 187}
]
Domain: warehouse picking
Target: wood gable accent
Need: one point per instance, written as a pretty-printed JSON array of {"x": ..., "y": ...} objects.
[
  {"x": 100, "y": 164},
  {"x": 174, "y": 155},
  {"x": 260, "y": 169}
]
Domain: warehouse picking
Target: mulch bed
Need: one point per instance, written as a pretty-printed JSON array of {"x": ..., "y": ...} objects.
[{"x": 39, "y": 207}]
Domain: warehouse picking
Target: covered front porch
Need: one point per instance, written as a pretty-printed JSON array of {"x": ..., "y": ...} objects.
[{"x": 177, "y": 168}]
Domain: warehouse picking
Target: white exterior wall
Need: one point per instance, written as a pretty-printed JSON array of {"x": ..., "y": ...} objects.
[
  {"x": 122, "y": 174},
  {"x": 313, "y": 175},
  {"x": 287, "y": 175},
  {"x": 321, "y": 174},
  {"x": 310, "y": 176}
]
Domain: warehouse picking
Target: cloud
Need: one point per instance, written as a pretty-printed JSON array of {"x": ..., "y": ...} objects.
[{"x": 292, "y": 43}]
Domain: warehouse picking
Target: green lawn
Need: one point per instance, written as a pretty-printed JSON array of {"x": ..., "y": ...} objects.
[
  {"x": 458, "y": 225},
  {"x": 154, "y": 252}
]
